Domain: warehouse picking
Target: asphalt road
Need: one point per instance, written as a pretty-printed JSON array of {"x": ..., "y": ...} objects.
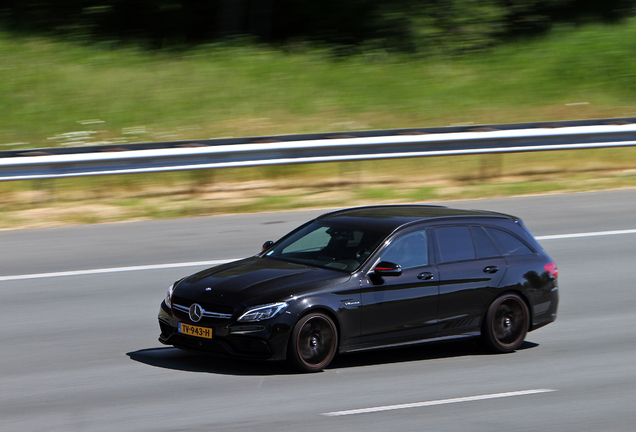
[{"x": 80, "y": 350}]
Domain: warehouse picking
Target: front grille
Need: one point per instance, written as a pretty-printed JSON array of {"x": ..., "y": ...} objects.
[
  {"x": 211, "y": 313},
  {"x": 204, "y": 313}
]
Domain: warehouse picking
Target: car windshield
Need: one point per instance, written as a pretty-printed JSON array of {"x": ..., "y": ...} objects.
[{"x": 322, "y": 244}]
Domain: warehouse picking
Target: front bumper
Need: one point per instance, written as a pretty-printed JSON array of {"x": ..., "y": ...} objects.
[{"x": 256, "y": 340}]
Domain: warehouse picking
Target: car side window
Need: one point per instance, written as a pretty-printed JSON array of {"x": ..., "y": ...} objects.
[
  {"x": 408, "y": 251},
  {"x": 484, "y": 247},
  {"x": 455, "y": 243},
  {"x": 507, "y": 243}
]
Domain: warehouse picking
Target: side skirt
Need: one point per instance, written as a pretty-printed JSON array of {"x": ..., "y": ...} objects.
[{"x": 416, "y": 342}]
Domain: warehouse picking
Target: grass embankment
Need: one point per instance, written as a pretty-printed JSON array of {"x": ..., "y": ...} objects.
[{"x": 56, "y": 93}]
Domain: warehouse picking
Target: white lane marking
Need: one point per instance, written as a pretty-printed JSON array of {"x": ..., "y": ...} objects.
[
  {"x": 590, "y": 234},
  {"x": 223, "y": 261},
  {"x": 116, "y": 270},
  {"x": 436, "y": 402}
]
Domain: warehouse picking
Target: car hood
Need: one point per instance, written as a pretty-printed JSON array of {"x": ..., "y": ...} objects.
[{"x": 256, "y": 280}]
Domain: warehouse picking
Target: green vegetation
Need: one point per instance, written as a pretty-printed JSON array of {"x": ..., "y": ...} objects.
[{"x": 55, "y": 93}]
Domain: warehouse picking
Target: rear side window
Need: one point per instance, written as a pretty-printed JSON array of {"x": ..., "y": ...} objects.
[
  {"x": 484, "y": 247},
  {"x": 507, "y": 243},
  {"x": 455, "y": 243}
]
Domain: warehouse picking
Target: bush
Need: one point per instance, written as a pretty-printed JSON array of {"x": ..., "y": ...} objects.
[{"x": 424, "y": 26}]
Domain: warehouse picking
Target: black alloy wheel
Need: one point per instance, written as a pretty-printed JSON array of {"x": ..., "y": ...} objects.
[
  {"x": 313, "y": 343},
  {"x": 506, "y": 324}
]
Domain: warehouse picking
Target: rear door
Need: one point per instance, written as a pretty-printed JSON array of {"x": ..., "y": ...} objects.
[{"x": 470, "y": 269}]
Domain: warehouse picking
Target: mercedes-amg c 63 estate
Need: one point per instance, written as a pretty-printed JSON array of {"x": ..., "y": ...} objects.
[{"x": 366, "y": 278}]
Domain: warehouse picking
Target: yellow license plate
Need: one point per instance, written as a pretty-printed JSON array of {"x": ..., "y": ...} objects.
[{"x": 197, "y": 331}]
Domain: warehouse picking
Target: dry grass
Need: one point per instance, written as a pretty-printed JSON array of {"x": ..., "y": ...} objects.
[{"x": 111, "y": 199}]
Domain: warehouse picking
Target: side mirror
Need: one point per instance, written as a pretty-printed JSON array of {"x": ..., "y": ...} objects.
[
  {"x": 267, "y": 244},
  {"x": 385, "y": 268}
]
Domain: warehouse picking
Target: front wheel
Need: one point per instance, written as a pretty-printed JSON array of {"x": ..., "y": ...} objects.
[
  {"x": 313, "y": 343},
  {"x": 506, "y": 324}
]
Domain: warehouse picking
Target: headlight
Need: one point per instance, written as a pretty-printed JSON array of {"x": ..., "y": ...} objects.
[
  {"x": 260, "y": 313},
  {"x": 168, "y": 299}
]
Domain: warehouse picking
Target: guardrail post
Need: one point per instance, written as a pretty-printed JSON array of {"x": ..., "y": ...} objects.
[
  {"x": 48, "y": 187},
  {"x": 199, "y": 179},
  {"x": 490, "y": 166}
]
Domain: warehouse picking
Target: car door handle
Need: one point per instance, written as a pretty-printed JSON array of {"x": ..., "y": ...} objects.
[
  {"x": 491, "y": 269},
  {"x": 425, "y": 276}
]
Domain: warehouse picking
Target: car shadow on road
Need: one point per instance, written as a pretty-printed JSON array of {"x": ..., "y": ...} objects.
[
  {"x": 173, "y": 358},
  {"x": 421, "y": 352},
  {"x": 176, "y": 359}
]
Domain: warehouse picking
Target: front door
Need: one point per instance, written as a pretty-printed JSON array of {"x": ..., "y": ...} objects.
[{"x": 402, "y": 308}]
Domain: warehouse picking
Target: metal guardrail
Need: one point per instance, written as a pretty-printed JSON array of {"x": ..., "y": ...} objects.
[{"x": 314, "y": 148}]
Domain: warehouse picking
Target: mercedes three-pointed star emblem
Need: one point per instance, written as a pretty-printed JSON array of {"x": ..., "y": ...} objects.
[{"x": 196, "y": 312}]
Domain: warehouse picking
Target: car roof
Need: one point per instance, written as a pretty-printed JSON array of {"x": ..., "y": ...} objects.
[{"x": 388, "y": 218}]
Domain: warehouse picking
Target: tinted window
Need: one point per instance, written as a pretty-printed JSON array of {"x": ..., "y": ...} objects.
[
  {"x": 409, "y": 251},
  {"x": 507, "y": 243},
  {"x": 484, "y": 246},
  {"x": 455, "y": 244}
]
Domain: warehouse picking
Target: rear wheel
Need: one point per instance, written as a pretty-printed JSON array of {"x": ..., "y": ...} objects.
[
  {"x": 313, "y": 343},
  {"x": 506, "y": 324}
]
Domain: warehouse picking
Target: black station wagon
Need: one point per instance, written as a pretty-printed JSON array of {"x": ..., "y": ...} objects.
[{"x": 365, "y": 278}]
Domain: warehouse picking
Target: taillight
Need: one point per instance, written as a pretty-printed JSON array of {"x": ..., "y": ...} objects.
[{"x": 552, "y": 269}]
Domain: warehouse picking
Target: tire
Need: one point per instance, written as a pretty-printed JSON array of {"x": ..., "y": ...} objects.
[
  {"x": 313, "y": 343},
  {"x": 506, "y": 324}
]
